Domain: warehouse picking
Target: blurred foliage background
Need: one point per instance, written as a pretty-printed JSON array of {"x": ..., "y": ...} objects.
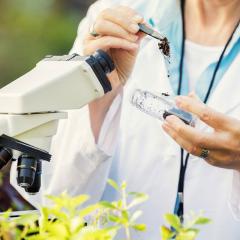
[{"x": 30, "y": 30}]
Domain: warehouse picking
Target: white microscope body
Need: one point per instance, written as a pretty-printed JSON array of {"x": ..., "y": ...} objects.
[{"x": 31, "y": 106}]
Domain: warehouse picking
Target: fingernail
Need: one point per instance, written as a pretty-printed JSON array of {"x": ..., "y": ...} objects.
[
  {"x": 134, "y": 28},
  {"x": 137, "y": 18}
]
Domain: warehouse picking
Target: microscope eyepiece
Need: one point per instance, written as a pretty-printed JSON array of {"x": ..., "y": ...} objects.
[
  {"x": 26, "y": 169},
  {"x": 5, "y": 156},
  {"x": 35, "y": 187},
  {"x": 105, "y": 61},
  {"x": 101, "y": 64}
]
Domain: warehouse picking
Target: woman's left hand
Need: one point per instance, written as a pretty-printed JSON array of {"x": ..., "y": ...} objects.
[{"x": 222, "y": 144}]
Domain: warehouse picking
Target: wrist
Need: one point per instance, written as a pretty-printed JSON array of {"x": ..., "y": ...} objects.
[{"x": 99, "y": 108}]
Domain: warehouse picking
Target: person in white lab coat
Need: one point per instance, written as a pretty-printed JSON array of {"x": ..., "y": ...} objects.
[{"x": 113, "y": 139}]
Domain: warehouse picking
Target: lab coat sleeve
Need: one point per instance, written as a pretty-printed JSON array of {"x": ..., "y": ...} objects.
[{"x": 78, "y": 164}]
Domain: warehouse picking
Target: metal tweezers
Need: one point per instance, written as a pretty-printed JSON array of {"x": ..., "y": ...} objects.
[{"x": 149, "y": 31}]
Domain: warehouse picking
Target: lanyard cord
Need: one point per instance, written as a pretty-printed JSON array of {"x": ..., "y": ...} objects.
[{"x": 179, "y": 208}]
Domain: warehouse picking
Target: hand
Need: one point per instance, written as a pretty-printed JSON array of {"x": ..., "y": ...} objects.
[
  {"x": 223, "y": 142},
  {"x": 118, "y": 35}
]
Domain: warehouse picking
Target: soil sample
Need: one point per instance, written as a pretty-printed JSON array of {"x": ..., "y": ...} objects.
[{"x": 164, "y": 47}]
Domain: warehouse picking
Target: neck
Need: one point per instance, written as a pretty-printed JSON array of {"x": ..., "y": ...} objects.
[
  {"x": 218, "y": 11},
  {"x": 215, "y": 18}
]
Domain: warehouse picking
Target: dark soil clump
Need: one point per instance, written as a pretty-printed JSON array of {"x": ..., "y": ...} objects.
[
  {"x": 166, "y": 94},
  {"x": 164, "y": 47}
]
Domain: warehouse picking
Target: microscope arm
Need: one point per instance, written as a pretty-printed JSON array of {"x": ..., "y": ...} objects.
[{"x": 56, "y": 83}]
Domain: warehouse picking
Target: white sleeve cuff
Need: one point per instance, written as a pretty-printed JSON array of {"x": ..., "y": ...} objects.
[{"x": 108, "y": 134}]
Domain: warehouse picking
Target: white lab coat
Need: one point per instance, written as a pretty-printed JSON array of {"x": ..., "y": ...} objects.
[{"x": 139, "y": 152}]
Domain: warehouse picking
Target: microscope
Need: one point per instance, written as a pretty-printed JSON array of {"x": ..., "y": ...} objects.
[{"x": 32, "y": 105}]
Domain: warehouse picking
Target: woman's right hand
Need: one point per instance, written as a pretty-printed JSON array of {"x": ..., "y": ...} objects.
[{"x": 119, "y": 36}]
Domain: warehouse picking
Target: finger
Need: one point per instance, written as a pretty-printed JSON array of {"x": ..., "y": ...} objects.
[
  {"x": 187, "y": 145},
  {"x": 194, "y": 96},
  {"x": 218, "y": 158},
  {"x": 131, "y": 13},
  {"x": 126, "y": 10},
  {"x": 126, "y": 21},
  {"x": 195, "y": 137},
  {"x": 141, "y": 35},
  {"x": 206, "y": 114},
  {"x": 107, "y": 42},
  {"x": 224, "y": 159},
  {"x": 107, "y": 28}
]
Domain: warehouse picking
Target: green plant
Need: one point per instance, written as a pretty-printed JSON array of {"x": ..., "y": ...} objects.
[
  {"x": 70, "y": 218},
  {"x": 67, "y": 218},
  {"x": 7, "y": 227},
  {"x": 118, "y": 212},
  {"x": 182, "y": 231}
]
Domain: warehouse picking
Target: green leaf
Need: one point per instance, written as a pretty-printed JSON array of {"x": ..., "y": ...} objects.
[
  {"x": 139, "y": 227},
  {"x": 114, "y": 218},
  {"x": 58, "y": 230},
  {"x": 125, "y": 215},
  {"x": 189, "y": 235},
  {"x": 91, "y": 233},
  {"x": 166, "y": 233},
  {"x": 136, "y": 194},
  {"x": 55, "y": 213},
  {"x": 135, "y": 216},
  {"x": 113, "y": 184},
  {"x": 118, "y": 204},
  {"x": 6, "y": 214},
  {"x": 202, "y": 221},
  {"x": 79, "y": 200},
  {"x": 124, "y": 185},
  {"x": 193, "y": 230},
  {"x": 173, "y": 220},
  {"x": 107, "y": 205},
  {"x": 138, "y": 199},
  {"x": 68, "y": 202}
]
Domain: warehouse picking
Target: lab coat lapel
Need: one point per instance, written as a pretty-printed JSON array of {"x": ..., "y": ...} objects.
[{"x": 226, "y": 96}]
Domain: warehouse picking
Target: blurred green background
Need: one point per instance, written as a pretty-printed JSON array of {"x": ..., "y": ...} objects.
[{"x": 30, "y": 30}]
